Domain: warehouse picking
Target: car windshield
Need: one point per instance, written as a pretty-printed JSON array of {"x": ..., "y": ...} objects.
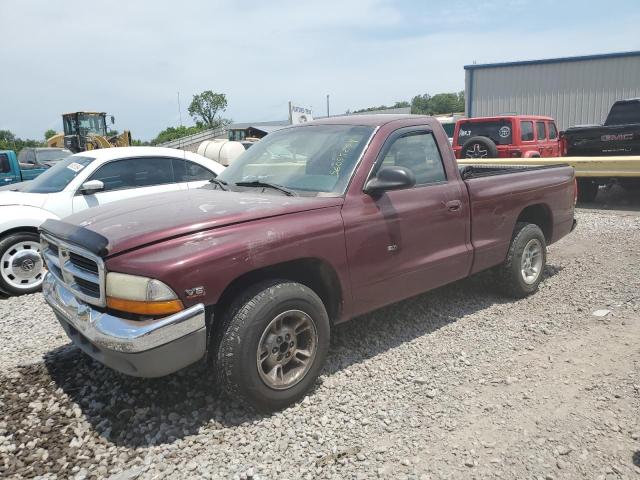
[
  {"x": 59, "y": 176},
  {"x": 497, "y": 130},
  {"x": 43, "y": 156},
  {"x": 311, "y": 160}
]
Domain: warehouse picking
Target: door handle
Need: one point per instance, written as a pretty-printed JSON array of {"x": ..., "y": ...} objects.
[{"x": 454, "y": 205}]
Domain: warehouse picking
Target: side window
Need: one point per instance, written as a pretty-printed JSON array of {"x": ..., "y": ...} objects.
[
  {"x": 27, "y": 157},
  {"x": 553, "y": 131},
  {"x": 135, "y": 173},
  {"x": 419, "y": 153},
  {"x": 526, "y": 131},
  {"x": 186, "y": 171},
  {"x": 540, "y": 131},
  {"x": 5, "y": 167}
]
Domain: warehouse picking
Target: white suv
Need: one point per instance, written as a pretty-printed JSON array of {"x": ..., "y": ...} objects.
[{"x": 81, "y": 181}]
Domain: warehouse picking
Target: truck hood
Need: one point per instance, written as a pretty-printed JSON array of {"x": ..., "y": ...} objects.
[
  {"x": 144, "y": 220},
  {"x": 22, "y": 198}
]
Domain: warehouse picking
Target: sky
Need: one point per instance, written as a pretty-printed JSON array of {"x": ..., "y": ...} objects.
[{"x": 130, "y": 58}]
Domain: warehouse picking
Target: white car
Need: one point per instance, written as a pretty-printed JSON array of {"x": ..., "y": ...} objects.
[{"x": 85, "y": 180}]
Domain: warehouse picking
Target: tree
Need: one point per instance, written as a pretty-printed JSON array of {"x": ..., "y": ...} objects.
[
  {"x": 173, "y": 133},
  {"x": 49, "y": 133},
  {"x": 205, "y": 108},
  {"x": 8, "y": 141},
  {"x": 438, "y": 104}
]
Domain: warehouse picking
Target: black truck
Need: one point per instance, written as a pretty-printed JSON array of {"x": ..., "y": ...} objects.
[{"x": 619, "y": 135}]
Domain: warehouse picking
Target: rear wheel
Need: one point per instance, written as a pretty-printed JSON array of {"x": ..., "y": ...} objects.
[
  {"x": 587, "y": 190},
  {"x": 272, "y": 344},
  {"x": 21, "y": 266},
  {"x": 522, "y": 270}
]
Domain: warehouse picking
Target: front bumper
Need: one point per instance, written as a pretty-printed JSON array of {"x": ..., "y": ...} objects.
[{"x": 145, "y": 348}]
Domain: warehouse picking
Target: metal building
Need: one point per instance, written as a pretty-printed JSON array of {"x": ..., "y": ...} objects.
[{"x": 573, "y": 90}]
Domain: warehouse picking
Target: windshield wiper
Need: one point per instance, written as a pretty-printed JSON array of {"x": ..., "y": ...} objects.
[
  {"x": 258, "y": 183},
  {"x": 221, "y": 183}
]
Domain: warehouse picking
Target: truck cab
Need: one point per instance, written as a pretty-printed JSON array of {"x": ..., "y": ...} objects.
[
  {"x": 506, "y": 136},
  {"x": 30, "y": 163}
]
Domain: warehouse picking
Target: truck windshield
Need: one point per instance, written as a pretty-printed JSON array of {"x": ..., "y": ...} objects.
[
  {"x": 312, "y": 160},
  {"x": 497, "y": 130},
  {"x": 59, "y": 176},
  {"x": 624, "y": 113}
]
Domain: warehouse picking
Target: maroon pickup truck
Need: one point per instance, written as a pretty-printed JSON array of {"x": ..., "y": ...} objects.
[{"x": 312, "y": 226}]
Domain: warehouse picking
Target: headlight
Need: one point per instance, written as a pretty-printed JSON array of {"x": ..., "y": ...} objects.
[{"x": 141, "y": 295}]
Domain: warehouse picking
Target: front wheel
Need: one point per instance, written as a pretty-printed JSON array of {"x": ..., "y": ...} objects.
[
  {"x": 272, "y": 344},
  {"x": 21, "y": 266},
  {"x": 522, "y": 270}
]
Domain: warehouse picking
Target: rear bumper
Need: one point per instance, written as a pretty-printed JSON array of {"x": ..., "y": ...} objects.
[{"x": 149, "y": 348}]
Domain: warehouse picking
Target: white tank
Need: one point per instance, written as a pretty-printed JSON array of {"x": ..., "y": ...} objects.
[{"x": 221, "y": 150}]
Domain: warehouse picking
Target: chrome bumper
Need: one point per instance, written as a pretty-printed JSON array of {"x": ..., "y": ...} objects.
[{"x": 146, "y": 348}]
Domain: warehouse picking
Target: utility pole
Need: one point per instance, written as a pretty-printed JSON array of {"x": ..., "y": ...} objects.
[
  {"x": 327, "y": 104},
  {"x": 179, "y": 109}
]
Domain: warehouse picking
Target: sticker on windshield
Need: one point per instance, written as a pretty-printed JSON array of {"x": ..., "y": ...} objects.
[
  {"x": 504, "y": 132},
  {"x": 76, "y": 167}
]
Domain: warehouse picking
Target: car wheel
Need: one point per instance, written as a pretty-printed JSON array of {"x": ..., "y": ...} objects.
[
  {"x": 21, "y": 265},
  {"x": 272, "y": 344},
  {"x": 587, "y": 190},
  {"x": 479, "y": 148},
  {"x": 522, "y": 270}
]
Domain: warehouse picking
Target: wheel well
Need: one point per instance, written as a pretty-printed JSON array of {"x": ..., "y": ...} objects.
[
  {"x": 316, "y": 274},
  {"x": 18, "y": 230},
  {"x": 539, "y": 215}
]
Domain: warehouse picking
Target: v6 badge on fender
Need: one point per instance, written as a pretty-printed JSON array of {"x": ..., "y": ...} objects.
[{"x": 195, "y": 292}]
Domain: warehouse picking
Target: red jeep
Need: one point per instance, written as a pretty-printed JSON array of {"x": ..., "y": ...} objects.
[{"x": 508, "y": 136}]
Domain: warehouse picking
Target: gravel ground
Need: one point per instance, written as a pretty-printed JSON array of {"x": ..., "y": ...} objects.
[{"x": 456, "y": 383}]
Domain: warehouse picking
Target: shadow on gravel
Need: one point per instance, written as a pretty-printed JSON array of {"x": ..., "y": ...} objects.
[
  {"x": 636, "y": 458},
  {"x": 132, "y": 412}
]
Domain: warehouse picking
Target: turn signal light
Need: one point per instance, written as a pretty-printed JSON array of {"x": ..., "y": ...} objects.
[{"x": 145, "y": 308}]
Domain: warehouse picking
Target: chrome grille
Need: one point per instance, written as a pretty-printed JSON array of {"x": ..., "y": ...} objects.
[{"x": 81, "y": 271}]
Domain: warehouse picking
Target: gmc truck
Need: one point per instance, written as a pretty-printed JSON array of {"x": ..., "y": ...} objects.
[
  {"x": 312, "y": 226},
  {"x": 618, "y": 136}
]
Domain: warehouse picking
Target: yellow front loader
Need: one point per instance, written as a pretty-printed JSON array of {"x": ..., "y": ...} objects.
[{"x": 87, "y": 131}]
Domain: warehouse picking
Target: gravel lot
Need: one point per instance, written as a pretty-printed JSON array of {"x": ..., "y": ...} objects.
[{"x": 456, "y": 383}]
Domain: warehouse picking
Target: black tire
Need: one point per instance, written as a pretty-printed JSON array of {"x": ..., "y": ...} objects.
[
  {"x": 8, "y": 244},
  {"x": 587, "y": 190},
  {"x": 235, "y": 343},
  {"x": 479, "y": 147},
  {"x": 510, "y": 277}
]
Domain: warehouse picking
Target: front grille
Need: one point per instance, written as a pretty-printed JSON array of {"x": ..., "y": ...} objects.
[
  {"x": 87, "y": 287},
  {"x": 81, "y": 271},
  {"x": 83, "y": 262}
]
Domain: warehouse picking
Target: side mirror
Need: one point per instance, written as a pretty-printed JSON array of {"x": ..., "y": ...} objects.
[
  {"x": 390, "y": 178},
  {"x": 91, "y": 187},
  {"x": 113, "y": 120}
]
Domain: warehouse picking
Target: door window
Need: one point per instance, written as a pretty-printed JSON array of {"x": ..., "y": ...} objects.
[
  {"x": 526, "y": 131},
  {"x": 553, "y": 131},
  {"x": 4, "y": 163},
  {"x": 419, "y": 153},
  {"x": 135, "y": 173},
  {"x": 186, "y": 171},
  {"x": 542, "y": 135}
]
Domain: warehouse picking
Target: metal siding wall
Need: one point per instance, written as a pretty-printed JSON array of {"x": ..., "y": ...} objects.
[{"x": 574, "y": 93}]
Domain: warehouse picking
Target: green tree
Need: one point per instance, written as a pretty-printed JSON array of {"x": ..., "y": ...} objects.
[
  {"x": 8, "y": 141},
  {"x": 49, "y": 133},
  {"x": 205, "y": 109},
  {"x": 174, "y": 133},
  {"x": 438, "y": 104}
]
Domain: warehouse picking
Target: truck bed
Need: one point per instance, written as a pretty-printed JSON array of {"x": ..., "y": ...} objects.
[{"x": 468, "y": 172}]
